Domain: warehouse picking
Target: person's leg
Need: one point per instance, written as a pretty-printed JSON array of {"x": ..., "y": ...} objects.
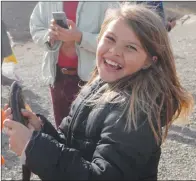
[{"x": 63, "y": 93}]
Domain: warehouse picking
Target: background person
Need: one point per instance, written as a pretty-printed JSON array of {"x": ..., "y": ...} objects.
[{"x": 69, "y": 67}]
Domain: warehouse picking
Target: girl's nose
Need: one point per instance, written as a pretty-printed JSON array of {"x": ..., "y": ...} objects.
[{"x": 116, "y": 50}]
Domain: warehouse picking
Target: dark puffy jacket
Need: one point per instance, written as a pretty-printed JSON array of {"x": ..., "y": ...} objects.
[{"x": 92, "y": 144}]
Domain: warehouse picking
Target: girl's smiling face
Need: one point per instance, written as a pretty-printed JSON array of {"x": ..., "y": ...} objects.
[{"x": 119, "y": 52}]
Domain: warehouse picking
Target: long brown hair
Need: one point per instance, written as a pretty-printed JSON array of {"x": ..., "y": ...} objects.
[{"x": 155, "y": 91}]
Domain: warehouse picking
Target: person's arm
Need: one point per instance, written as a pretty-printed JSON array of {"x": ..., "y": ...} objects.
[
  {"x": 38, "y": 26},
  {"x": 48, "y": 128},
  {"x": 158, "y": 5},
  {"x": 118, "y": 154},
  {"x": 89, "y": 40}
]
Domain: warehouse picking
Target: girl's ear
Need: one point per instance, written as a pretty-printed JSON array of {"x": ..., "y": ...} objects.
[
  {"x": 154, "y": 59},
  {"x": 149, "y": 62}
]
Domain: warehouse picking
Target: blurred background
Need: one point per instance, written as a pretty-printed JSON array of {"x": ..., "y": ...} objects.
[{"x": 16, "y": 15}]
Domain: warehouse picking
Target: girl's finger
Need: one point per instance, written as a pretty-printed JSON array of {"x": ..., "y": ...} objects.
[
  {"x": 8, "y": 131},
  {"x": 7, "y": 112},
  {"x": 27, "y": 113},
  {"x": 6, "y": 106},
  {"x": 30, "y": 115},
  {"x": 30, "y": 126},
  {"x": 10, "y": 116},
  {"x": 7, "y": 124},
  {"x": 11, "y": 124}
]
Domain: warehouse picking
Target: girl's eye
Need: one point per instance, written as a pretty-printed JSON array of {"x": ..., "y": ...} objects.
[
  {"x": 131, "y": 47},
  {"x": 110, "y": 38}
]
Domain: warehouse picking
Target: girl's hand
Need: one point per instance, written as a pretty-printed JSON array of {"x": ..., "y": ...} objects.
[
  {"x": 34, "y": 122},
  {"x": 19, "y": 135}
]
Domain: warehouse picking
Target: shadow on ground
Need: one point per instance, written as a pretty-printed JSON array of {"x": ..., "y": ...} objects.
[{"x": 183, "y": 135}]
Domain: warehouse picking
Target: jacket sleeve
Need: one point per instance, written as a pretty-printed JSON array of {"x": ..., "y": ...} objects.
[
  {"x": 38, "y": 24},
  {"x": 49, "y": 129},
  {"x": 89, "y": 40},
  {"x": 118, "y": 154}
]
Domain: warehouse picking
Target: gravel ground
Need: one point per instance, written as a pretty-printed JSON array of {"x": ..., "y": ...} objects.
[{"x": 178, "y": 153}]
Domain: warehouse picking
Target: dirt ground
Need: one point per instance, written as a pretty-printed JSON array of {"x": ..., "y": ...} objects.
[{"x": 178, "y": 152}]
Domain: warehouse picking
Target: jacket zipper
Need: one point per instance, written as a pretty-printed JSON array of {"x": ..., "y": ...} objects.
[
  {"x": 71, "y": 125},
  {"x": 74, "y": 117}
]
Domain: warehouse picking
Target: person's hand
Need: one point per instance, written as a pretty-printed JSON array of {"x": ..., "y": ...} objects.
[
  {"x": 34, "y": 122},
  {"x": 52, "y": 34},
  {"x": 66, "y": 35},
  {"x": 19, "y": 135},
  {"x": 170, "y": 24}
]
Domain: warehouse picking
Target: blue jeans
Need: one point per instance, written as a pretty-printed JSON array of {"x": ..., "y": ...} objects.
[{"x": 158, "y": 5}]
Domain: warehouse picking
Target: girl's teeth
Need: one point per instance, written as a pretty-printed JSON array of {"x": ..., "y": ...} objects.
[{"x": 111, "y": 63}]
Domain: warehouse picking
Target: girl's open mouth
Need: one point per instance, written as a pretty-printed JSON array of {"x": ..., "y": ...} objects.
[{"x": 112, "y": 64}]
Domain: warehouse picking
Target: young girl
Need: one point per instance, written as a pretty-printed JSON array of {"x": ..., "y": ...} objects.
[{"x": 114, "y": 128}]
